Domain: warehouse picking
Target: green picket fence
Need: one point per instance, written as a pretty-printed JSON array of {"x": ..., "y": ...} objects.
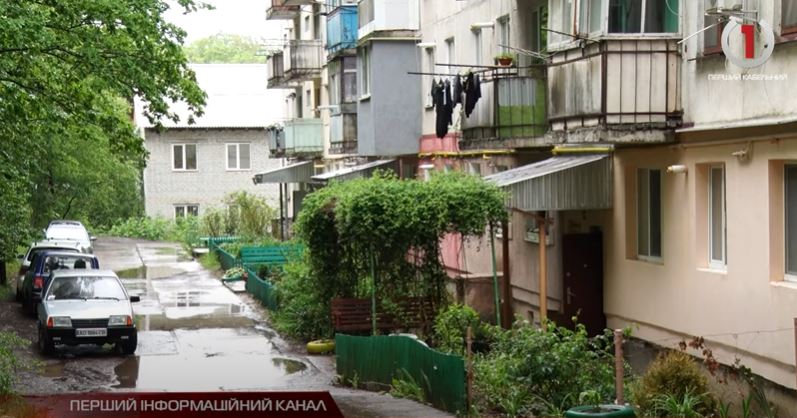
[
  {"x": 226, "y": 259},
  {"x": 382, "y": 358},
  {"x": 261, "y": 289},
  {"x": 215, "y": 241}
]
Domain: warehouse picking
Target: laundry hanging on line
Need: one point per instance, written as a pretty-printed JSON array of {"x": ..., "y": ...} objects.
[{"x": 443, "y": 105}]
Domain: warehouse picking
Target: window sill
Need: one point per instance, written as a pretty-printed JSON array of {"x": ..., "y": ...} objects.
[
  {"x": 788, "y": 283},
  {"x": 365, "y": 97},
  {"x": 184, "y": 171},
  {"x": 713, "y": 270},
  {"x": 239, "y": 169},
  {"x": 658, "y": 261}
]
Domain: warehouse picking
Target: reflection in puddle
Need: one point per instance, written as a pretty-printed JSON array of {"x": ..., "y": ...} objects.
[
  {"x": 290, "y": 366},
  {"x": 151, "y": 272},
  {"x": 53, "y": 369}
]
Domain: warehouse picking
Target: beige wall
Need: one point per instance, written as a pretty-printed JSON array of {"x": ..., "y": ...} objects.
[{"x": 680, "y": 296}]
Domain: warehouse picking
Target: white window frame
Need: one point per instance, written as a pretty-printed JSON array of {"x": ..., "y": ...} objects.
[
  {"x": 184, "y": 207},
  {"x": 504, "y": 34},
  {"x": 451, "y": 50},
  {"x": 365, "y": 73},
  {"x": 478, "y": 46},
  {"x": 789, "y": 276},
  {"x": 649, "y": 257},
  {"x": 183, "y": 156},
  {"x": 581, "y": 5},
  {"x": 717, "y": 264},
  {"x": 237, "y": 156},
  {"x": 643, "y": 16},
  {"x": 429, "y": 55}
]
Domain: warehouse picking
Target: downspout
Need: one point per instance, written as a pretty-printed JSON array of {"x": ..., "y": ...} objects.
[{"x": 496, "y": 298}]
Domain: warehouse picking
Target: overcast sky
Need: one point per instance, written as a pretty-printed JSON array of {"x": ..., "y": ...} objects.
[{"x": 241, "y": 17}]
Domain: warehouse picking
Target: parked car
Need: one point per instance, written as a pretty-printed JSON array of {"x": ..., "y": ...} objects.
[
  {"x": 43, "y": 265},
  {"x": 37, "y": 247},
  {"x": 70, "y": 230},
  {"x": 86, "y": 307}
]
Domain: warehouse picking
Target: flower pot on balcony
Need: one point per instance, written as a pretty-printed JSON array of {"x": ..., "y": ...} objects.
[{"x": 505, "y": 62}]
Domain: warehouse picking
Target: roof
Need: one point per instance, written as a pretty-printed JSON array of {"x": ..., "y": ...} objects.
[
  {"x": 70, "y": 254},
  {"x": 83, "y": 273},
  {"x": 358, "y": 171},
  {"x": 56, "y": 243},
  {"x": 572, "y": 182},
  {"x": 294, "y": 173},
  {"x": 64, "y": 222},
  {"x": 237, "y": 98}
]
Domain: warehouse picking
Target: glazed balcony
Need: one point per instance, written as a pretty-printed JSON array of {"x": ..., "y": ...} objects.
[
  {"x": 281, "y": 10},
  {"x": 303, "y": 137},
  {"x": 275, "y": 137},
  {"x": 275, "y": 71},
  {"x": 302, "y": 60},
  {"x": 343, "y": 133},
  {"x": 387, "y": 16},
  {"x": 342, "y": 29}
]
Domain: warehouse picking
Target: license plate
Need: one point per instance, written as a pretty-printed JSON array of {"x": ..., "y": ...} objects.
[{"x": 91, "y": 332}]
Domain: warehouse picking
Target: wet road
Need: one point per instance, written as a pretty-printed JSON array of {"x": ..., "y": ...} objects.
[{"x": 194, "y": 335}]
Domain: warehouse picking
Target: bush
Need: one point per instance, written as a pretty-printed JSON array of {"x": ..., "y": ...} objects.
[
  {"x": 154, "y": 229},
  {"x": 673, "y": 376},
  {"x": 450, "y": 329},
  {"x": 10, "y": 363},
  {"x": 302, "y": 314},
  {"x": 542, "y": 371}
]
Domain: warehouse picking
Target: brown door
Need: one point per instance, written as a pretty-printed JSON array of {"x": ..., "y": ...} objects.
[{"x": 582, "y": 261}]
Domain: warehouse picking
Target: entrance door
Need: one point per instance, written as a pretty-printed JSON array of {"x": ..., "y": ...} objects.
[{"x": 582, "y": 262}]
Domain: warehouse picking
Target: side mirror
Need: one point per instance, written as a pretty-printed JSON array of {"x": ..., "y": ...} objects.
[
  {"x": 93, "y": 238},
  {"x": 51, "y": 297},
  {"x": 20, "y": 256},
  {"x": 135, "y": 298}
]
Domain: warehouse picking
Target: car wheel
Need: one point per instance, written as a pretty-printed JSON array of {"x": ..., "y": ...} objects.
[
  {"x": 128, "y": 347},
  {"x": 46, "y": 345},
  {"x": 29, "y": 306},
  {"x": 19, "y": 295}
]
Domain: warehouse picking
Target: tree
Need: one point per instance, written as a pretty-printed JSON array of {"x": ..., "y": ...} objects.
[
  {"x": 225, "y": 48},
  {"x": 68, "y": 72}
]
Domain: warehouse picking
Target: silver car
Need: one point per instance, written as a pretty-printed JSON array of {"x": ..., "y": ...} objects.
[{"x": 86, "y": 307}]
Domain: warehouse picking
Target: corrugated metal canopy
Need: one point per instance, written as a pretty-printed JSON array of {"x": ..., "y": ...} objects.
[
  {"x": 559, "y": 183},
  {"x": 358, "y": 171},
  {"x": 294, "y": 173}
]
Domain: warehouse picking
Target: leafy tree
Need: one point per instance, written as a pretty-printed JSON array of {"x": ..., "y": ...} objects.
[
  {"x": 225, "y": 48},
  {"x": 68, "y": 72}
]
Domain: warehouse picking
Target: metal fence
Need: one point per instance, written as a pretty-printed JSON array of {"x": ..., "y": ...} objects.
[
  {"x": 382, "y": 358},
  {"x": 261, "y": 289}
]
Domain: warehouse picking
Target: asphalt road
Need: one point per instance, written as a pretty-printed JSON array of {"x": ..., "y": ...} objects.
[{"x": 194, "y": 335}]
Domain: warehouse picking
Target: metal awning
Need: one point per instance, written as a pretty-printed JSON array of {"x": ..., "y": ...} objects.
[
  {"x": 572, "y": 182},
  {"x": 358, "y": 171},
  {"x": 294, "y": 173}
]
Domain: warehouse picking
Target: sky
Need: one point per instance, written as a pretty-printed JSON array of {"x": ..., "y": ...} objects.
[{"x": 240, "y": 17}]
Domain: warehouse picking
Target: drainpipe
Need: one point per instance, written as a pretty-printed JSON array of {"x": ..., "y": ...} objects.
[
  {"x": 507, "y": 316},
  {"x": 373, "y": 291},
  {"x": 541, "y": 221},
  {"x": 495, "y": 277},
  {"x": 282, "y": 227}
]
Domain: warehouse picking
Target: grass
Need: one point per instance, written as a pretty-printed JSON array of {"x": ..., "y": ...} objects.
[{"x": 210, "y": 261}]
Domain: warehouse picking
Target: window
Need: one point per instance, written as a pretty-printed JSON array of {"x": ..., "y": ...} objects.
[
  {"x": 365, "y": 76},
  {"x": 334, "y": 83},
  {"x": 539, "y": 37},
  {"x": 183, "y": 157},
  {"x": 643, "y": 16},
  {"x": 477, "y": 46},
  {"x": 349, "y": 80},
  {"x": 589, "y": 19},
  {"x": 428, "y": 79},
  {"x": 238, "y": 157},
  {"x": 475, "y": 169},
  {"x": 562, "y": 21},
  {"x": 717, "y": 217},
  {"x": 649, "y": 214},
  {"x": 307, "y": 23},
  {"x": 788, "y": 17},
  {"x": 181, "y": 211},
  {"x": 712, "y": 37},
  {"x": 790, "y": 177},
  {"x": 451, "y": 53},
  {"x": 503, "y": 34}
]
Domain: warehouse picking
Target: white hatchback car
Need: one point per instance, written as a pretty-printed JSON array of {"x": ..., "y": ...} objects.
[
  {"x": 86, "y": 307},
  {"x": 70, "y": 231}
]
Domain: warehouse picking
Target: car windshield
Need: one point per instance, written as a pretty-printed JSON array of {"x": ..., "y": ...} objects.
[
  {"x": 91, "y": 287},
  {"x": 63, "y": 262},
  {"x": 67, "y": 232}
]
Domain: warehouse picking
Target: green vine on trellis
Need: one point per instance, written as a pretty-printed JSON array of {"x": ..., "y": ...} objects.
[{"x": 402, "y": 222}]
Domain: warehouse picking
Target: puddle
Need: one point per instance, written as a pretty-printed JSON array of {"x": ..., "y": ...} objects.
[
  {"x": 210, "y": 359},
  {"x": 151, "y": 272},
  {"x": 53, "y": 369}
]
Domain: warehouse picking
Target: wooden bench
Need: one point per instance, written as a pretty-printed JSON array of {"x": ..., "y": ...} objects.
[
  {"x": 274, "y": 256},
  {"x": 355, "y": 315}
]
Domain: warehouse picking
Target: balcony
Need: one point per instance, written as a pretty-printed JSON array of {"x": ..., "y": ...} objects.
[
  {"x": 281, "y": 10},
  {"x": 342, "y": 29},
  {"x": 511, "y": 113},
  {"x": 387, "y": 15},
  {"x": 275, "y": 71},
  {"x": 275, "y": 137},
  {"x": 299, "y": 2},
  {"x": 303, "y": 60},
  {"x": 612, "y": 90},
  {"x": 343, "y": 133},
  {"x": 303, "y": 137}
]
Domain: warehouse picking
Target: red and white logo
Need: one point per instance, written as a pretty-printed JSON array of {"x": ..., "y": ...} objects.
[{"x": 755, "y": 54}]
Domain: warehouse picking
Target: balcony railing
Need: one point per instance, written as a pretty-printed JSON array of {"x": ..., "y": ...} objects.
[
  {"x": 616, "y": 82},
  {"x": 303, "y": 59},
  {"x": 343, "y": 133},
  {"x": 510, "y": 108},
  {"x": 276, "y": 141},
  {"x": 280, "y": 9},
  {"x": 276, "y": 71},
  {"x": 342, "y": 29},
  {"x": 388, "y": 15},
  {"x": 303, "y": 137}
]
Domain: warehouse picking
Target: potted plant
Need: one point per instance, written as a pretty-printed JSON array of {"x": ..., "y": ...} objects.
[{"x": 505, "y": 59}]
